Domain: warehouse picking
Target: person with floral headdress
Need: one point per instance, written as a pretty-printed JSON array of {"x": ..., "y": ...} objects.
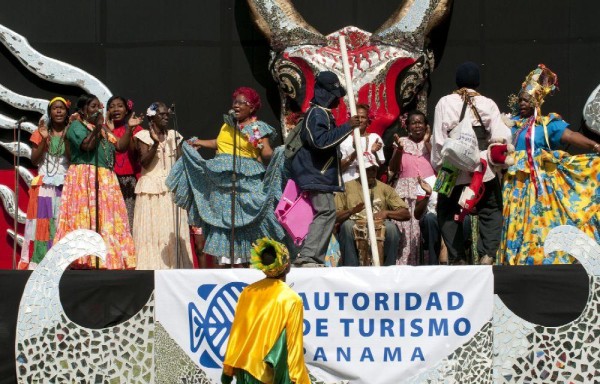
[
  {"x": 50, "y": 153},
  {"x": 546, "y": 187},
  {"x": 127, "y": 164},
  {"x": 204, "y": 187},
  {"x": 266, "y": 338},
  {"x": 156, "y": 216},
  {"x": 91, "y": 196}
]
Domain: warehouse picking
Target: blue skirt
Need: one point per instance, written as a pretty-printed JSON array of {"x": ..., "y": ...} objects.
[{"x": 203, "y": 188}]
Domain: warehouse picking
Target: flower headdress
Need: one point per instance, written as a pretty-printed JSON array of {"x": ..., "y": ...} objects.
[
  {"x": 151, "y": 111},
  {"x": 539, "y": 83},
  {"x": 282, "y": 257}
]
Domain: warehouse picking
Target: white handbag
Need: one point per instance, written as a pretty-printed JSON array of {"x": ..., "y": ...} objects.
[{"x": 460, "y": 148}]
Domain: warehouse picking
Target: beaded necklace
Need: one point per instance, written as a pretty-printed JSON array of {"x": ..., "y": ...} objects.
[
  {"x": 109, "y": 154},
  {"x": 54, "y": 151}
]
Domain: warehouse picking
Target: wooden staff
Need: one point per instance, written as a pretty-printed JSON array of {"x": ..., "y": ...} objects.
[{"x": 359, "y": 157}]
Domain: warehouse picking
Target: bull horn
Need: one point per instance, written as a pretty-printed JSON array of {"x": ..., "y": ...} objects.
[
  {"x": 282, "y": 25},
  {"x": 412, "y": 22}
]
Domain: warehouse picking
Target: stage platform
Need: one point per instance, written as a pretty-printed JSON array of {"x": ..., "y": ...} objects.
[{"x": 544, "y": 295}]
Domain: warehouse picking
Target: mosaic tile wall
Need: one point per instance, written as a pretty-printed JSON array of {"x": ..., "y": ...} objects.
[
  {"x": 50, "y": 348},
  {"x": 469, "y": 364},
  {"x": 529, "y": 353},
  {"x": 172, "y": 364}
]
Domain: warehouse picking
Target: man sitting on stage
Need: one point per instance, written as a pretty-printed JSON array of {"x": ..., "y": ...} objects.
[
  {"x": 387, "y": 206},
  {"x": 266, "y": 339}
]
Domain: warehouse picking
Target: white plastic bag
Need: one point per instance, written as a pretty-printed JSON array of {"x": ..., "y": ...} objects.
[{"x": 460, "y": 148}]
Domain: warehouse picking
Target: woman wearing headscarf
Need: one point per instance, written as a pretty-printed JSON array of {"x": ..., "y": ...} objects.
[
  {"x": 50, "y": 154},
  {"x": 546, "y": 187},
  {"x": 203, "y": 187}
]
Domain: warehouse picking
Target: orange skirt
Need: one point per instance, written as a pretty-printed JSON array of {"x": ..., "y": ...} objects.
[{"x": 78, "y": 211}]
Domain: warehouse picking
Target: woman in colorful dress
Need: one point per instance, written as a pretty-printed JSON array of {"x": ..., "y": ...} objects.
[
  {"x": 203, "y": 187},
  {"x": 546, "y": 187},
  {"x": 411, "y": 161},
  {"x": 50, "y": 154},
  {"x": 90, "y": 183},
  {"x": 155, "y": 213},
  {"x": 127, "y": 165}
]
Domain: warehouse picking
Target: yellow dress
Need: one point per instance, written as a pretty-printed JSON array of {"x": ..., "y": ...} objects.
[{"x": 264, "y": 311}]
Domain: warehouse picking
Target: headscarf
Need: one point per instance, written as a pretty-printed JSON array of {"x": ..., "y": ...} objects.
[
  {"x": 251, "y": 96},
  {"x": 66, "y": 102},
  {"x": 282, "y": 257}
]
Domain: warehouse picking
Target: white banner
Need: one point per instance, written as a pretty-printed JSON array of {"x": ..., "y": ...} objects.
[{"x": 366, "y": 325}]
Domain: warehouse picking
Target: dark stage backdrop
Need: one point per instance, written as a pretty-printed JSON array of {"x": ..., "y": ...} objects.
[{"x": 194, "y": 53}]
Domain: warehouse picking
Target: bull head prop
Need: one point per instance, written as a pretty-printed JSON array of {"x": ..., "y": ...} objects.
[{"x": 390, "y": 67}]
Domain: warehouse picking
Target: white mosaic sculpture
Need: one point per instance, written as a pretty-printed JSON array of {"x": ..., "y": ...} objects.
[
  {"x": 46, "y": 68},
  {"x": 591, "y": 111},
  {"x": 52, "y": 348}
]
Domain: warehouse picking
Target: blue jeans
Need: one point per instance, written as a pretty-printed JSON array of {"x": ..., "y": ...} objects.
[{"x": 348, "y": 246}]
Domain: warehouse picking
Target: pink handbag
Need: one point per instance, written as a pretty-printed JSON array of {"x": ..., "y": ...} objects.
[{"x": 295, "y": 212}]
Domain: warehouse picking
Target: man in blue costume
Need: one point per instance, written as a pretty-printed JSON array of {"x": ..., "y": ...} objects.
[{"x": 316, "y": 165}]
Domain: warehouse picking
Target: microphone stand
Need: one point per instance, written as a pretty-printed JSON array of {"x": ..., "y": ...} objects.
[
  {"x": 233, "y": 194},
  {"x": 177, "y": 214},
  {"x": 97, "y": 195},
  {"x": 17, "y": 165}
]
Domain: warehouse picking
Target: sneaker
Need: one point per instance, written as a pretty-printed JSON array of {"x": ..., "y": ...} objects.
[
  {"x": 486, "y": 260},
  {"x": 309, "y": 265}
]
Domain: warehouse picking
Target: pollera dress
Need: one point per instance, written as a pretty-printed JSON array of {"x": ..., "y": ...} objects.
[
  {"x": 546, "y": 188},
  {"x": 156, "y": 214},
  {"x": 78, "y": 204},
  {"x": 203, "y": 188}
]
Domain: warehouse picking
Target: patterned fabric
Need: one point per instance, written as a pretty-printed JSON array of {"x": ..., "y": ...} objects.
[
  {"x": 40, "y": 227},
  {"x": 203, "y": 188},
  {"x": 155, "y": 213},
  {"x": 333, "y": 254},
  {"x": 568, "y": 195},
  {"x": 127, "y": 184},
  {"x": 415, "y": 162},
  {"x": 78, "y": 211},
  {"x": 103, "y": 154},
  {"x": 44, "y": 202}
]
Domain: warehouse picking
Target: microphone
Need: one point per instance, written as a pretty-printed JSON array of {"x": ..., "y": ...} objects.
[
  {"x": 172, "y": 109},
  {"x": 21, "y": 120}
]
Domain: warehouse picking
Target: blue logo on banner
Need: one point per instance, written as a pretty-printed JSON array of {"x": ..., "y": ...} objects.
[{"x": 210, "y": 330}]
